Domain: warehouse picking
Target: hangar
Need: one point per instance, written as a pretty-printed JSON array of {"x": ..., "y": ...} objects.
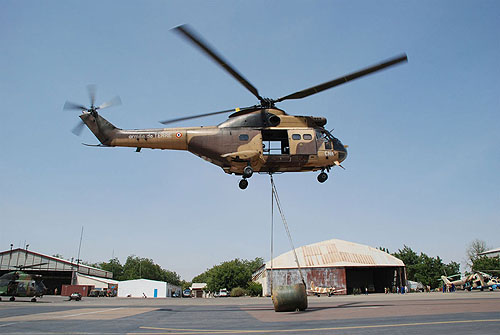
[
  {"x": 341, "y": 264},
  {"x": 55, "y": 271}
]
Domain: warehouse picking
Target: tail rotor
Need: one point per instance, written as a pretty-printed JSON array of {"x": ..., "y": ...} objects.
[{"x": 91, "y": 90}]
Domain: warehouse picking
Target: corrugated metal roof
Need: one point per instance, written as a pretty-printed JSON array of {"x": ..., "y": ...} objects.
[
  {"x": 12, "y": 259},
  {"x": 335, "y": 253}
]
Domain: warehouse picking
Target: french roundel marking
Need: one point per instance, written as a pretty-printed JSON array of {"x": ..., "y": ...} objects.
[{"x": 178, "y": 135}]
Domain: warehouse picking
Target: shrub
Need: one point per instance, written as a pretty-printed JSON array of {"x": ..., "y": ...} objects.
[
  {"x": 238, "y": 292},
  {"x": 254, "y": 289}
]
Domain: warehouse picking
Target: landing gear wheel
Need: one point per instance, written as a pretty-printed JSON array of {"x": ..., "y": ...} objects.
[
  {"x": 12, "y": 299},
  {"x": 322, "y": 177},
  {"x": 243, "y": 184},
  {"x": 33, "y": 300},
  {"x": 247, "y": 172}
]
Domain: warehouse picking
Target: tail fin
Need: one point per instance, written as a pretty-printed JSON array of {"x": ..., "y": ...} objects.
[
  {"x": 100, "y": 127},
  {"x": 446, "y": 280}
]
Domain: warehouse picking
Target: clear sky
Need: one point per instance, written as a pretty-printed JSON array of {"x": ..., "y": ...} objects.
[{"x": 424, "y": 141}]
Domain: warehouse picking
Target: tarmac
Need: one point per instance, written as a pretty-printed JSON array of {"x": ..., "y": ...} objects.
[{"x": 415, "y": 313}]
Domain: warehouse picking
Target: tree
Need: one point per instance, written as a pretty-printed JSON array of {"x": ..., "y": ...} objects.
[
  {"x": 425, "y": 269},
  {"x": 254, "y": 289},
  {"x": 451, "y": 268},
  {"x": 410, "y": 259},
  {"x": 486, "y": 264},
  {"x": 475, "y": 248},
  {"x": 185, "y": 284},
  {"x": 137, "y": 267},
  {"x": 114, "y": 267},
  {"x": 230, "y": 274}
]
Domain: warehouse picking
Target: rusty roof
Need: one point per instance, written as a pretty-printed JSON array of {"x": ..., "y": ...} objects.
[{"x": 335, "y": 253}]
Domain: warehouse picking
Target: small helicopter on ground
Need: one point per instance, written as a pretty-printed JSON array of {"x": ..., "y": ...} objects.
[
  {"x": 260, "y": 138},
  {"x": 21, "y": 284},
  {"x": 477, "y": 280},
  {"x": 319, "y": 290}
]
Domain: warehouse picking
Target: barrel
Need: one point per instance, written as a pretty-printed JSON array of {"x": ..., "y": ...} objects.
[{"x": 290, "y": 298}]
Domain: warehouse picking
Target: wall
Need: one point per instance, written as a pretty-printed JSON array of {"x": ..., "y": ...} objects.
[
  {"x": 328, "y": 277},
  {"x": 139, "y": 287}
]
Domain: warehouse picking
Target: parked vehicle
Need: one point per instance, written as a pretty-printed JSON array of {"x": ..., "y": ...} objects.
[
  {"x": 186, "y": 293},
  {"x": 75, "y": 296}
]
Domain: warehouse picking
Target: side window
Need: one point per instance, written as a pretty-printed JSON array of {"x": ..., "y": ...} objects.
[
  {"x": 244, "y": 137},
  {"x": 307, "y": 137},
  {"x": 296, "y": 137}
]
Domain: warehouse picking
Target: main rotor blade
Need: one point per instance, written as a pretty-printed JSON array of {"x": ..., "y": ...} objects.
[
  {"x": 207, "y": 114},
  {"x": 319, "y": 88},
  {"x": 68, "y": 105},
  {"x": 188, "y": 33},
  {"x": 116, "y": 101},
  {"x": 77, "y": 130},
  {"x": 91, "y": 90}
]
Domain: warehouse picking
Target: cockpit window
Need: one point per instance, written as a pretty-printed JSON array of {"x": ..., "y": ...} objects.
[{"x": 322, "y": 137}]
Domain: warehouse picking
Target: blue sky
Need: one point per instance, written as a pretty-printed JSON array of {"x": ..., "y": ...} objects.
[{"x": 424, "y": 155}]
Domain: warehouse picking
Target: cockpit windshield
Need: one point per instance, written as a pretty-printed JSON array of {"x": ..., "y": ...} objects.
[{"x": 324, "y": 135}]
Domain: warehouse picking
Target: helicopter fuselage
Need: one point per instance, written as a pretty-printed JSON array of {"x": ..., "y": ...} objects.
[
  {"x": 267, "y": 140},
  {"x": 21, "y": 284}
]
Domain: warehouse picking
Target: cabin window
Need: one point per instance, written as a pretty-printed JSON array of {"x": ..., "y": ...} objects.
[
  {"x": 307, "y": 137},
  {"x": 244, "y": 137},
  {"x": 296, "y": 137}
]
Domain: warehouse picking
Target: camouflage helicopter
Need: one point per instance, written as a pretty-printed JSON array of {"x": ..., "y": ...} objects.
[
  {"x": 20, "y": 284},
  {"x": 261, "y": 138}
]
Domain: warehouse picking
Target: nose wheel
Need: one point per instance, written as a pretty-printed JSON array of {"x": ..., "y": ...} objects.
[{"x": 322, "y": 177}]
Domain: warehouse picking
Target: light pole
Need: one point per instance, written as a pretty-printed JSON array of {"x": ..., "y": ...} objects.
[{"x": 10, "y": 255}]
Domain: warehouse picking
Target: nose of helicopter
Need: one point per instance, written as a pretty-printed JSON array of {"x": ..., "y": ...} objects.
[
  {"x": 342, "y": 154},
  {"x": 341, "y": 149},
  {"x": 41, "y": 288}
]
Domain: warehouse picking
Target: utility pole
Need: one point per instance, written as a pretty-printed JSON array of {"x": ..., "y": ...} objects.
[
  {"x": 26, "y": 254},
  {"x": 79, "y": 248},
  {"x": 10, "y": 255}
]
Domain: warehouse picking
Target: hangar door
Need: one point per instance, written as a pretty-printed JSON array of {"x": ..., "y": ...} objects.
[{"x": 375, "y": 279}]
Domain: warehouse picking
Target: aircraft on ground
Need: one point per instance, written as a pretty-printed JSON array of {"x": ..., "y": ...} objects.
[
  {"x": 319, "y": 290},
  {"x": 21, "y": 284},
  {"x": 477, "y": 280}
]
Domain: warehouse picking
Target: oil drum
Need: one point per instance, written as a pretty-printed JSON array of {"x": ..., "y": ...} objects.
[{"x": 290, "y": 298}]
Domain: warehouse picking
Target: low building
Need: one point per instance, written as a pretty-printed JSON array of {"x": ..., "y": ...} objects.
[
  {"x": 146, "y": 288},
  {"x": 344, "y": 265},
  {"x": 55, "y": 271},
  {"x": 198, "y": 290}
]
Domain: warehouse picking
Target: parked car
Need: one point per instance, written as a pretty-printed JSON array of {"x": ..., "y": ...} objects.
[
  {"x": 223, "y": 293},
  {"x": 75, "y": 296},
  {"x": 98, "y": 292},
  {"x": 186, "y": 293}
]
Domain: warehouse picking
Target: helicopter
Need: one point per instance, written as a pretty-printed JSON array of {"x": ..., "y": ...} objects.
[
  {"x": 21, "y": 284},
  {"x": 261, "y": 138}
]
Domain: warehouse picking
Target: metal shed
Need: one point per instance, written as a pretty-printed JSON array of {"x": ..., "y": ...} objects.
[
  {"x": 146, "y": 288},
  {"x": 341, "y": 264},
  {"x": 55, "y": 271}
]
